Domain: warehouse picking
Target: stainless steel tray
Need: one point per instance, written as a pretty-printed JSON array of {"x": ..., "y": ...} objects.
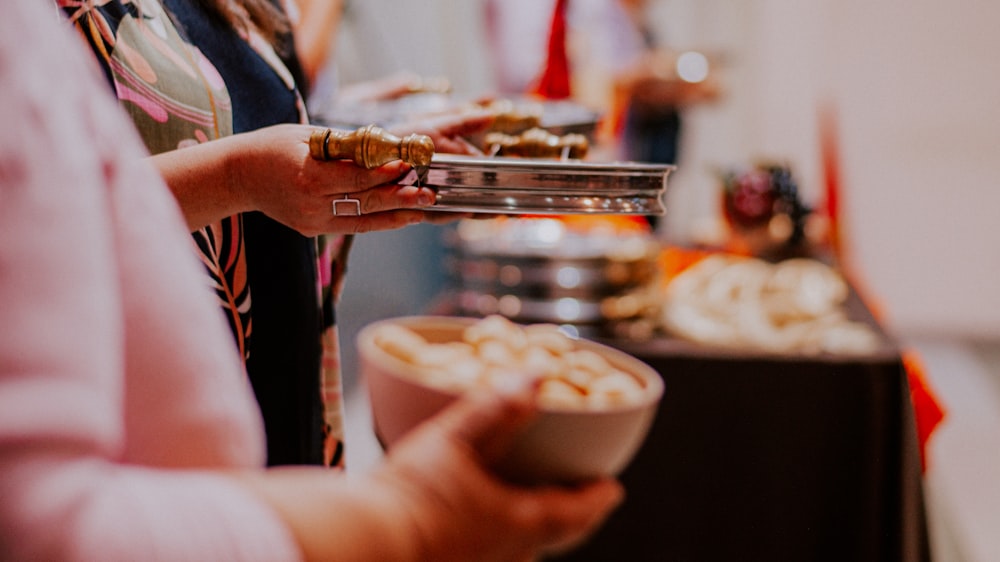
[{"x": 519, "y": 186}]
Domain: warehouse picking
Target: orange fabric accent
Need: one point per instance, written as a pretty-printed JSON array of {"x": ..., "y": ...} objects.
[
  {"x": 620, "y": 223},
  {"x": 830, "y": 158},
  {"x": 927, "y": 407},
  {"x": 928, "y": 410},
  {"x": 675, "y": 259}
]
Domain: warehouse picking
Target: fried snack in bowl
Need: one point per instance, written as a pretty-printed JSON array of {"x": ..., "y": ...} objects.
[{"x": 596, "y": 404}]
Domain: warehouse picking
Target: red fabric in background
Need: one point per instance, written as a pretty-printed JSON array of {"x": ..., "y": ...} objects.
[
  {"x": 927, "y": 407},
  {"x": 554, "y": 82}
]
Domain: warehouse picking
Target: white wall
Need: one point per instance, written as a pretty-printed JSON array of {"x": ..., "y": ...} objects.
[
  {"x": 915, "y": 85},
  {"x": 918, "y": 85},
  {"x": 430, "y": 37}
]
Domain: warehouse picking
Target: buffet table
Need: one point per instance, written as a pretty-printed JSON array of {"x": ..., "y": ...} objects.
[{"x": 756, "y": 457}]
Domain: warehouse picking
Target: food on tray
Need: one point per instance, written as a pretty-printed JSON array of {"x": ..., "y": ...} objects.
[
  {"x": 795, "y": 305},
  {"x": 513, "y": 118},
  {"x": 537, "y": 143},
  {"x": 494, "y": 349}
]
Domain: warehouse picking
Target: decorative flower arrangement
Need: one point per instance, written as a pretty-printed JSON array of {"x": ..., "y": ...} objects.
[{"x": 764, "y": 211}]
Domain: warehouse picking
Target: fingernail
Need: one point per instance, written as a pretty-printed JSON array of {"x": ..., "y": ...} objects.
[{"x": 426, "y": 197}]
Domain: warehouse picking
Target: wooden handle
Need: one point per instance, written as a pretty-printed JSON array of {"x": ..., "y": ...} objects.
[{"x": 371, "y": 146}]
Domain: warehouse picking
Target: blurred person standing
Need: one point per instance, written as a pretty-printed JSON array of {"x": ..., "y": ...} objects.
[
  {"x": 206, "y": 86},
  {"x": 649, "y": 92},
  {"x": 265, "y": 272},
  {"x": 602, "y": 54}
]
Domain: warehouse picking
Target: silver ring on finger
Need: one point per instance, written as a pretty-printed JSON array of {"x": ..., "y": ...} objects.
[{"x": 346, "y": 207}]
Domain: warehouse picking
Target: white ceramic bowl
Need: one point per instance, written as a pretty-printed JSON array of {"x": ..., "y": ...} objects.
[{"x": 558, "y": 445}]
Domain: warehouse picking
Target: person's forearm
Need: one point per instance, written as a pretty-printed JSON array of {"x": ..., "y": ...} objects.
[
  {"x": 334, "y": 519},
  {"x": 315, "y": 32},
  {"x": 201, "y": 180}
]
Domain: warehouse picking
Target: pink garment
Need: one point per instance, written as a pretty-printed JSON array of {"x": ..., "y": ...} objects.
[{"x": 110, "y": 409}]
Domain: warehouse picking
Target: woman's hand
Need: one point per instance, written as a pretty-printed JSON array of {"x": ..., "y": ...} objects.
[
  {"x": 287, "y": 184},
  {"x": 435, "y": 497},
  {"x": 450, "y": 129},
  {"x": 438, "y": 480},
  {"x": 270, "y": 170}
]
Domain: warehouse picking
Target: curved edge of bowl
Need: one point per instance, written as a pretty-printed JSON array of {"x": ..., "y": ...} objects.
[{"x": 558, "y": 446}]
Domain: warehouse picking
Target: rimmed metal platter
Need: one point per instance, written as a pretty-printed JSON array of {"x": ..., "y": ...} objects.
[{"x": 519, "y": 186}]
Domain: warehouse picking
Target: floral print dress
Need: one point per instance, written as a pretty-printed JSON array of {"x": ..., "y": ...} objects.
[{"x": 184, "y": 80}]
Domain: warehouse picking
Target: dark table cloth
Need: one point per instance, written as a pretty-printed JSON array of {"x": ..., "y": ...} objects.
[{"x": 762, "y": 457}]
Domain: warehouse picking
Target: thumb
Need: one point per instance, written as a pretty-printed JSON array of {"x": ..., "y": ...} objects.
[{"x": 489, "y": 420}]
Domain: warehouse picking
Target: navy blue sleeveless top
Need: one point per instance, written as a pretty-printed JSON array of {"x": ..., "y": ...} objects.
[{"x": 284, "y": 364}]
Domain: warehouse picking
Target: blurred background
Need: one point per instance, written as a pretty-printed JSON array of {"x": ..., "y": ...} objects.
[{"x": 905, "y": 96}]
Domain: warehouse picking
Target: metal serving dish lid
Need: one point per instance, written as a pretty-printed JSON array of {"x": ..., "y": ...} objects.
[{"x": 509, "y": 185}]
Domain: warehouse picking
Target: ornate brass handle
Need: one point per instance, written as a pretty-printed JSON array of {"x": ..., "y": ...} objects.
[
  {"x": 370, "y": 147},
  {"x": 537, "y": 143}
]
